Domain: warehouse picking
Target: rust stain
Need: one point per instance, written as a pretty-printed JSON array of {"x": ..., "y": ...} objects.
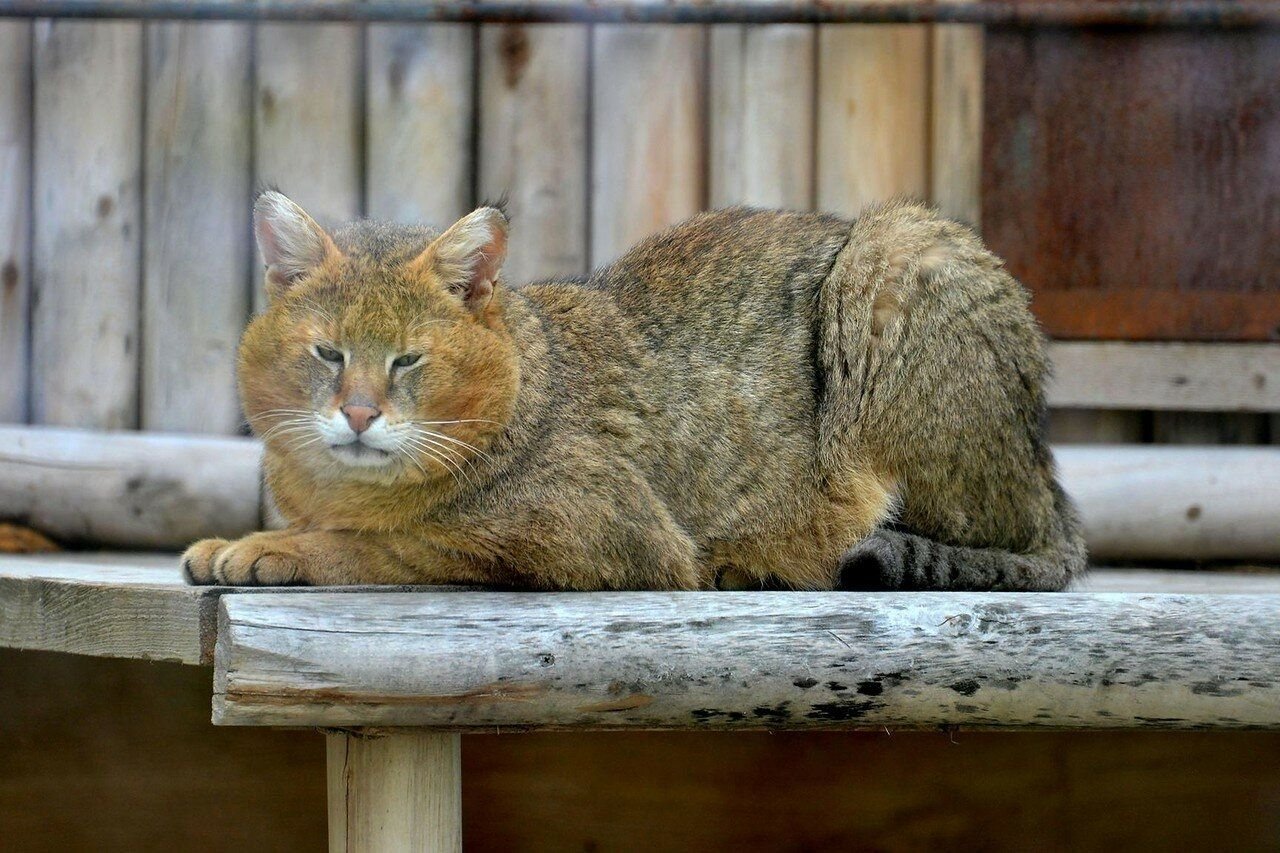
[
  {"x": 629, "y": 703},
  {"x": 514, "y": 51}
]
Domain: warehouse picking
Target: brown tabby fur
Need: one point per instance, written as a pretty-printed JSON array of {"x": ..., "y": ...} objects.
[{"x": 736, "y": 401}]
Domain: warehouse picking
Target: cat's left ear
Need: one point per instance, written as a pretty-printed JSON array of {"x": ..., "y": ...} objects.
[{"x": 469, "y": 256}]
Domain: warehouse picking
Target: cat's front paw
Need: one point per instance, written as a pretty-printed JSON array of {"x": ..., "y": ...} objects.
[{"x": 259, "y": 559}]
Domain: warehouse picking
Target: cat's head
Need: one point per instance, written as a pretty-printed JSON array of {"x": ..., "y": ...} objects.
[{"x": 382, "y": 353}]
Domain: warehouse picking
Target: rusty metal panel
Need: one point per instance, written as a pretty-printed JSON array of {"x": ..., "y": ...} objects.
[{"x": 1132, "y": 179}]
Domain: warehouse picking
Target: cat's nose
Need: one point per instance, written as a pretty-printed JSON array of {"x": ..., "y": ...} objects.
[{"x": 361, "y": 416}]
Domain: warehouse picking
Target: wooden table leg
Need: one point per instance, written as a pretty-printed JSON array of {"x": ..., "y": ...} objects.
[{"x": 394, "y": 791}]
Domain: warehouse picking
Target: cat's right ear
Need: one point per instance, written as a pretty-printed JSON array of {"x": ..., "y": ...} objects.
[{"x": 291, "y": 243}]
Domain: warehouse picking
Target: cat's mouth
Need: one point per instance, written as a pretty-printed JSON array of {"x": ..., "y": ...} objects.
[{"x": 359, "y": 454}]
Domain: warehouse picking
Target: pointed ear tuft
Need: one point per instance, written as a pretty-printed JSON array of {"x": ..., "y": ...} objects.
[
  {"x": 469, "y": 256},
  {"x": 291, "y": 243}
]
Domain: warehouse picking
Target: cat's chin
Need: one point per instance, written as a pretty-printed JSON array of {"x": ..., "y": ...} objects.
[{"x": 359, "y": 455}]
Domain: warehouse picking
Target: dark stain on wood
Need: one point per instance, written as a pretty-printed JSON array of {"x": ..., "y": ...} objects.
[
  {"x": 9, "y": 277},
  {"x": 968, "y": 687},
  {"x": 105, "y": 206},
  {"x": 514, "y": 51},
  {"x": 1131, "y": 179},
  {"x": 805, "y": 683}
]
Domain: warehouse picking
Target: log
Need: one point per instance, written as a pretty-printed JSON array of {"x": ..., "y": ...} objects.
[
  {"x": 129, "y": 489},
  {"x": 87, "y": 221},
  {"x": 1176, "y": 503},
  {"x": 15, "y": 218},
  {"x": 533, "y": 144},
  {"x": 197, "y": 255},
  {"x": 762, "y": 116},
  {"x": 395, "y": 791},
  {"x": 480, "y": 660}
]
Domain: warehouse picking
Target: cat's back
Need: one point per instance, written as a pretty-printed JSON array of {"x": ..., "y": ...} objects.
[{"x": 743, "y": 267}]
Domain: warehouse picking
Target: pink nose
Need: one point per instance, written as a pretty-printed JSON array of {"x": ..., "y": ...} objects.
[{"x": 360, "y": 416}]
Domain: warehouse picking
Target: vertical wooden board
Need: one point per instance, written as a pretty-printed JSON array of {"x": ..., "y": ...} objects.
[
  {"x": 420, "y": 107},
  {"x": 873, "y": 114},
  {"x": 533, "y": 143},
  {"x": 15, "y": 218},
  {"x": 198, "y": 197},
  {"x": 308, "y": 123},
  {"x": 87, "y": 221},
  {"x": 955, "y": 126},
  {"x": 647, "y": 132},
  {"x": 1132, "y": 179},
  {"x": 762, "y": 116}
]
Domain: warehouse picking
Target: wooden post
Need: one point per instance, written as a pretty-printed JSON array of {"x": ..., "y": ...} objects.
[{"x": 396, "y": 791}]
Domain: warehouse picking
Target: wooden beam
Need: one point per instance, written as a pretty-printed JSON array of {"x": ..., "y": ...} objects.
[
  {"x": 663, "y": 660},
  {"x": 395, "y": 791},
  {"x": 15, "y": 218},
  {"x": 1175, "y": 502},
  {"x": 1197, "y": 376},
  {"x": 129, "y": 489}
]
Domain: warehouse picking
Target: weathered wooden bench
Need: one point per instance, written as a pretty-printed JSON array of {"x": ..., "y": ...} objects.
[{"x": 395, "y": 675}]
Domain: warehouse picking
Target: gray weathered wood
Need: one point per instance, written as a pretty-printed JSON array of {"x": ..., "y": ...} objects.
[
  {"x": 749, "y": 660},
  {"x": 647, "y": 141},
  {"x": 873, "y": 115},
  {"x": 1173, "y": 376},
  {"x": 1176, "y": 503},
  {"x": 418, "y": 134},
  {"x": 197, "y": 254},
  {"x": 762, "y": 116},
  {"x": 307, "y": 127},
  {"x": 533, "y": 143},
  {"x": 87, "y": 223},
  {"x": 128, "y": 489},
  {"x": 130, "y": 606},
  {"x": 395, "y": 791},
  {"x": 15, "y": 218}
]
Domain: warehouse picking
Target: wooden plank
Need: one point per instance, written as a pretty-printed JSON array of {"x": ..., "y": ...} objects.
[
  {"x": 1083, "y": 129},
  {"x": 1175, "y": 376},
  {"x": 198, "y": 197},
  {"x": 1243, "y": 581},
  {"x": 129, "y": 489},
  {"x": 748, "y": 660},
  {"x": 1175, "y": 503},
  {"x": 419, "y": 125},
  {"x": 87, "y": 222},
  {"x": 533, "y": 144},
  {"x": 762, "y": 116},
  {"x": 94, "y": 606},
  {"x": 955, "y": 126},
  {"x": 873, "y": 115},
  {"x": 395, "y": 791},
  {"x": 308, "y": 128},
  {"x": 15, "y": 218},
  {"x": 647, "y": 141}
]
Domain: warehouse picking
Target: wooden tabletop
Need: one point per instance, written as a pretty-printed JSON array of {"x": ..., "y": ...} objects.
[{"x": 1176, "y": 649}]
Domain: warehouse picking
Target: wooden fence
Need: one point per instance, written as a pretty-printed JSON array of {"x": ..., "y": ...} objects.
[{"x": 129, "y": 154}]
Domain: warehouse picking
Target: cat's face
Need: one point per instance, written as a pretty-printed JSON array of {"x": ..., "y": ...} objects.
[{"x": 386, "y": 359}]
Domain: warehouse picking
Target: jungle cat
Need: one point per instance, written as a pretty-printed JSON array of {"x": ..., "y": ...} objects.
[{"x": 751, "y": 398}]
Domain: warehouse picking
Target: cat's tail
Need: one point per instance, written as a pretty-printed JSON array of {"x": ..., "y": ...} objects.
[{"x": 893, "y": 558}]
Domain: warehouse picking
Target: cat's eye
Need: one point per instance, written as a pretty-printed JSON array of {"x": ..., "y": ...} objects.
[
  {"x": 409, "y": 359},
  {"x": 328, "y": 354}
]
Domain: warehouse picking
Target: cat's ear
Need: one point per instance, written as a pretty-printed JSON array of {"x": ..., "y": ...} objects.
[
  {"x": 469, "y": 256},
  {"x": 291, "y": 242}
]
